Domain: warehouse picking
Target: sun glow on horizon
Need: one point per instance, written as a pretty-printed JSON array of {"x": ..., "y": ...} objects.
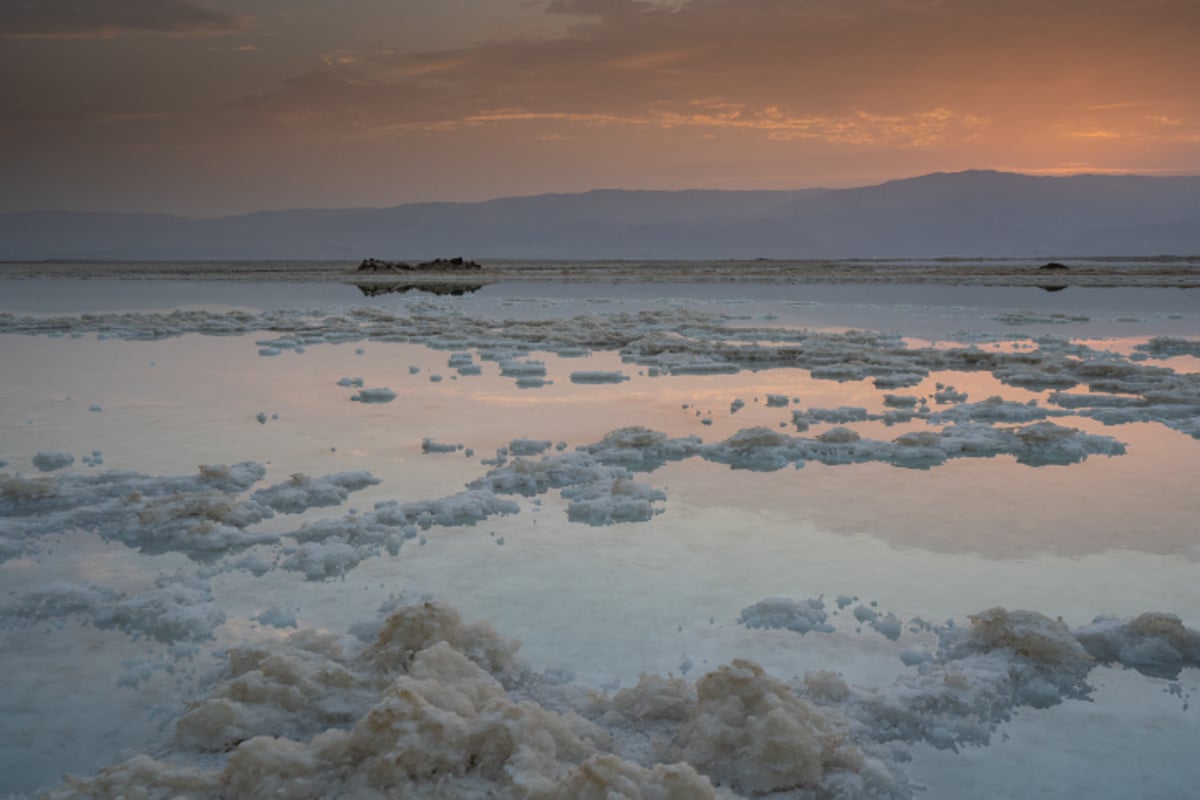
[{"x": 389, "y": 105}]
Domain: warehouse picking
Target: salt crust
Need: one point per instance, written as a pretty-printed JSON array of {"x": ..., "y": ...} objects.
[
  {"x": 686, "y": 341},
  {"x": 428, "y": 706},
  {"x": 436, "y": 708},
  {"x": 598, "y": 376},
  {"x": 378, "y": 395},
  {"x": 204, "y": 518},
  {"x": 780, "y": 612},
  {"x": 1002, "y": 661},
  {"x": 179, "y": 608},
  {"x": 199, "y": 516},
  {"x": 50, "y": 461}
]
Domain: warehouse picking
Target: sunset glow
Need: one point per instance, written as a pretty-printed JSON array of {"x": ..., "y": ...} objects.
[{"x": 221, "y": 107}]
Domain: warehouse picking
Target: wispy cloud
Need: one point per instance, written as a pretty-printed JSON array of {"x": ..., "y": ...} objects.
[
  {"x": 895, "y": 73},
  {"x": 67, "y": 19}
]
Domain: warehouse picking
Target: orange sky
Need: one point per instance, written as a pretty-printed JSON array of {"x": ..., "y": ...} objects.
[{"x": 219, "y": 107}]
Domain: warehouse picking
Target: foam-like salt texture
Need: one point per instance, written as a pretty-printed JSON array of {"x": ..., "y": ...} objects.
[
  {"x": 424, "y": 704},
  {"x": 685, "y": 341}
]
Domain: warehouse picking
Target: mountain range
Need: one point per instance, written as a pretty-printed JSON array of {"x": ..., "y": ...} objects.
[{"x": 966, "y": 214}]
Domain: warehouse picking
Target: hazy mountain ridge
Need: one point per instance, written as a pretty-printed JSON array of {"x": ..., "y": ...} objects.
[{"x": 974, "y": 213}]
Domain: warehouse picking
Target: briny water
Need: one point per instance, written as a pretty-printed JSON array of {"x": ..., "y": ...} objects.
[{"x": 933, "y": 518}]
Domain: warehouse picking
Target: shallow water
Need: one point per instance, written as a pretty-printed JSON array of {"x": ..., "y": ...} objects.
[{"x": 1091, "y": 535}]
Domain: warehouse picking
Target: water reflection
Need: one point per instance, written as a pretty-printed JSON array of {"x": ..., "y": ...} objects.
[
  {"x": 743, "y": 503},
  {"x": 450, "y": 289}
]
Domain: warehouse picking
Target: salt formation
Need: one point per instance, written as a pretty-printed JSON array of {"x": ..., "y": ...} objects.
[
  {"x": 748, "y": 730},
  {"x": 599, "y": 494},
  {"x": 379, "y": 395},
  {"x": 278, "y": 618},
  {"x": 433, "y": 707},
  {"x": 598, "y": 376},
  {"x": 330, "y": 548},
  {"x": 528, "y": 447},
  {"x": 887, "y": 624},
  {"x": 202, "y": 518},
  {"x": 1039, "y": 318},
  {"x": 301, "y": 492},
  {"x": 178, "y": 608},
  {"x": 50, "y": 461},
  {"x": 1170, "y": 347},
  {"x": 685, "y": 341},
  {"x": 1154, "y": 644},
  {"x": 430, "y": 446},
  {"x": 996, "y": 409},
  {"x": 780, "y": 612},
  {"x": 198, "y": 516},
  {"x": 981, "y": 673},
  {"x": 602, "y": 502},
  {"x": 516, "y": 368},
  {"x": 948, "y": 394},
  {"x": 901, "y": 401},
  {"x": 763, "y": 449}
]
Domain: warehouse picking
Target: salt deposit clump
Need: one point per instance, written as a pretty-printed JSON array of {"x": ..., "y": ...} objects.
[
  {"x": 178, "y": 608},
  {"x": 764, "y": 449},
  {"x": 1170, "y": 347},
  {"x": 430, "y": 446},
  {"x": 278, "y": 618},
  {"x": 379, "y": 395},
  {"x": 780, "y": 612},
  {"x": 603, "y": 502},
  {"x": 51, "y": 461},
  {"x": 421, "y": 703},
  {"x": 996, "y": 409},
  {"x": 430, "y": 706},
  {"x": 1154, "y": 644},
  {"x": 750, "y": 731},
  {"x": 685, "y": 341},
  {"x": 199, "y": 516},
  {"x": 529, "y": 447},
  {"x": 598, "y": 376},
  {"x": 301, "y": 492},
  {"x": 203, "y": 518},
  {"x": 330, "y": 548}
]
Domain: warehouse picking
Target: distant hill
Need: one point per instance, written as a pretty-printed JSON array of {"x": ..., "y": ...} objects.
[{"x": 975, "y": 213}]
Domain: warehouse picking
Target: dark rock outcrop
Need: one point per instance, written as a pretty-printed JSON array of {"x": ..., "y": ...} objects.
[{"x": 437, "y": 265}]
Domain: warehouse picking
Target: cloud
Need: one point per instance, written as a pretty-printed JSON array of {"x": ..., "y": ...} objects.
[
  {"x": 68, "y": 19},
  {"x": 910, "y": 73}
]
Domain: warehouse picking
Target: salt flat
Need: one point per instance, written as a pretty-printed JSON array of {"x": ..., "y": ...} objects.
[{"x": 761, "y": 537}]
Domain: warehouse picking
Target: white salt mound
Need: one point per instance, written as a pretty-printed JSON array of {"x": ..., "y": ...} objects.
[{"x": 432, "y": 707}]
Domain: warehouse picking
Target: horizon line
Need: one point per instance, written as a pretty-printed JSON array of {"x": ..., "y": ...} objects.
[{"x": 1050, "y": 173}]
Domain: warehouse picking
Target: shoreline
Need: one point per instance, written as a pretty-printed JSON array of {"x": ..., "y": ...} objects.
[{"x": 1106, "y": 272}]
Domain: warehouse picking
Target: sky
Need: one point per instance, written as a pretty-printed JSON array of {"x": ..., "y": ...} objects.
[{"x": 212, "y": 107}]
